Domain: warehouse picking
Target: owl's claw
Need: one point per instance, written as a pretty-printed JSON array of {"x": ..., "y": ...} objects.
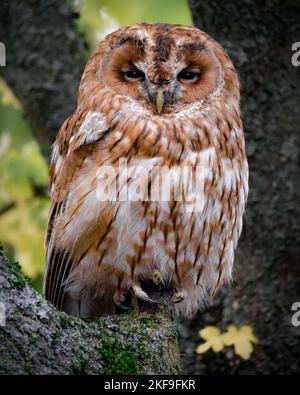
[
  {"x": 121, "y": 306},
  {"x": 118, "y": 299},
  {"x": 139, "y": 293},
  {"x": 158, "y": 278},
  {"x": 179, "y": 296}
]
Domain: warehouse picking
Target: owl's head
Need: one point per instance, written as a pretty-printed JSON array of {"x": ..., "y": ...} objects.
[{"x": 163, "y": 68}]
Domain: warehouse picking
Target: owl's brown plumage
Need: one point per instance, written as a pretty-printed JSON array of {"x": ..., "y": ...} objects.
[{"x": 154, "y": 95}]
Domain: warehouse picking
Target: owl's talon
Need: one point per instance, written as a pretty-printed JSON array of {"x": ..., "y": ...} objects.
[
  {"x": 118, "y": 299},
  {"x": 158, "y": 278},
  {"x": 139, "y": 293},
  {"x": 121, "y": 306},
  {"x": 179, "y": 296}
]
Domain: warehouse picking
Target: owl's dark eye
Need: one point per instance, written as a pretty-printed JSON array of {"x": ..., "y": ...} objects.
[
  {"x": 134, "y": 74},
  {"x": 188, "y": 75}
]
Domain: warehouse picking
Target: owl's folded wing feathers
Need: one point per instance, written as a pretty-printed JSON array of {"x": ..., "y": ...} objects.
[{"x": 75, "y": 142}]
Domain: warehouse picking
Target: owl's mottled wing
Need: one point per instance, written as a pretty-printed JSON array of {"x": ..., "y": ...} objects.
[{"x": 75, "y": 142}]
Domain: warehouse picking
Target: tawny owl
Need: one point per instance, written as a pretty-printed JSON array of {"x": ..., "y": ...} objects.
[{"x": 152, "y": 97}]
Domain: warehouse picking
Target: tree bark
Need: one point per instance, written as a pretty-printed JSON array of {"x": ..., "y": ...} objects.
[
  {"x": 45, "y": 55},
  {"x": 259, "y": 36},
  {"x": 38, "y": 339}
]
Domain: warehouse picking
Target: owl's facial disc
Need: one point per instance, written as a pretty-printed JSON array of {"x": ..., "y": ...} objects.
[{"x": 161, "y": 84}]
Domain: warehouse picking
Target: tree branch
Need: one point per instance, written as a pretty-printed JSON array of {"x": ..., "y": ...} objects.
[{"x": 38, "y": 339}]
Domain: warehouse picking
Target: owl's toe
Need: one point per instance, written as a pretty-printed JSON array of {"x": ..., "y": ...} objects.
[
  {"x": 179, "y": 296},
  {"x": 158, "y": 278},
  {"x": 119, "y": 298},
  {"x": 140, "y": 294}
]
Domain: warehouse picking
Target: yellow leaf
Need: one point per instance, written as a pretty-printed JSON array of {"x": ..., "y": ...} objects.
[
  {"x": 208, "y": 332},
  {"x": 203, "y": 348},
  {"x": 229, "y": 336},
  {"x": 213, "y": 338},
  {"x": 241, "y": 339},
  {"x": 243, "y": 348}
]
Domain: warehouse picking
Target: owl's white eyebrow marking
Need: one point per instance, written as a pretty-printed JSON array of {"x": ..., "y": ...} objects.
[{"x": 142, "y": 34}]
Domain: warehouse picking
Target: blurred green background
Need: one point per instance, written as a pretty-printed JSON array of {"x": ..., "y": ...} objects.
[{"x": 23, "y": 171}]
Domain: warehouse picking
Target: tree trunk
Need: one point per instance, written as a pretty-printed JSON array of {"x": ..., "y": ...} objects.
[
  {"x": 45, "y": 56},
  {"x": 37, "y": 339},
  {"x": 259, "y": 36}
]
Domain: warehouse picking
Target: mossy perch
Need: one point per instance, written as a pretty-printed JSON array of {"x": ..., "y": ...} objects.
[{"x": 38, "y": 339}]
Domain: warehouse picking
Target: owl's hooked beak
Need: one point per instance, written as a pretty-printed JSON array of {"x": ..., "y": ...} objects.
[{"x": 159, "y": 100}]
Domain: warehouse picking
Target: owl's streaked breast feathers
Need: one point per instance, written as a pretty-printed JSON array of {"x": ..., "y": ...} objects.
[{"x": 100, "y": 250}]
